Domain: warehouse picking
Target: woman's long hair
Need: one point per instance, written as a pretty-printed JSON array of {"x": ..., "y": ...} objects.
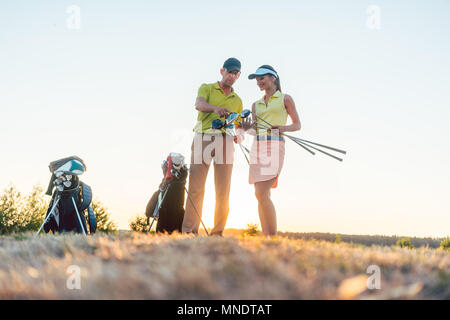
[{"x": 277, "y": 79}]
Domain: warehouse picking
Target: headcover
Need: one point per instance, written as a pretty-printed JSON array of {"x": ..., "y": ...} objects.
[
  {"x": 70, "y": 166},
  {"x": 173, "y": 164}
]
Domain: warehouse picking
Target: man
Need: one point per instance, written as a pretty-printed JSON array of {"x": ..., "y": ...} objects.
[{"x": 214, "y": 101}]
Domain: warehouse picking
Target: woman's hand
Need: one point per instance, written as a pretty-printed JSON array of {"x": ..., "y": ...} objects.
[
  {"x": 247, "y": 123},
  {"x": 280, "y": 129}
]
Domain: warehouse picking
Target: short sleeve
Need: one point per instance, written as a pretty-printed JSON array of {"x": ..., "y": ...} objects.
[
  {"x": 203, "y": 91},
  {"x": 241, "y": 107}
]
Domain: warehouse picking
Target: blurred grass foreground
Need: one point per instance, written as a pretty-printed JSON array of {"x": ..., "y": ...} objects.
[{"x": 133, "y": 265}]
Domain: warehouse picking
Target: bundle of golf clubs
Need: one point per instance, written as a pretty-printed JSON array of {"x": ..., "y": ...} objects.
[
  {"x": 261, "y": 124},
  {"x": 229, "y": 125}
]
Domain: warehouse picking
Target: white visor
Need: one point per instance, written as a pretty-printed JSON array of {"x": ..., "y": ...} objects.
[{"x": 261, "y": 72}]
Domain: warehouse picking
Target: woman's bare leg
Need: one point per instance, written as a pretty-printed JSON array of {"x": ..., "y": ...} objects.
[{"x": 266, "y": 209}]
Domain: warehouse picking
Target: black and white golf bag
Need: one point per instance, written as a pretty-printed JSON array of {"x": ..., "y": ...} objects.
[
  {"x": 71, "y": 199},
  {"x": 167, "y": 204}
]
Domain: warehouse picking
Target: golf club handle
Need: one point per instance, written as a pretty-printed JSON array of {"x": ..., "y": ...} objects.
[
  {"x": 297, "y": 142},
  {"x": 264, "y": 120},
  {"x": 305, "y": 142},
  {"x": 262, "y": 125},
  {"x": 262, "y": 128},
  {"x": 317, "y": 144}
]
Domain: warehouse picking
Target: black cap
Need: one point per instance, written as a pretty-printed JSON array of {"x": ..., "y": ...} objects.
[{"x": 232, "y": 64}]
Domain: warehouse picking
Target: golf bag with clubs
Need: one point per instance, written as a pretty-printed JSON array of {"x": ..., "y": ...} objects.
[
  {"x": 167, "y": 204},
  {"x": 71, "y": 199}
]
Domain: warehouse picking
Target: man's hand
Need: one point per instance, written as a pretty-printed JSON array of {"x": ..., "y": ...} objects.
[{"x": 222, "y": 112}]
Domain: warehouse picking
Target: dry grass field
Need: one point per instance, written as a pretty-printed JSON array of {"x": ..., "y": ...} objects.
[{"x": 132, "y": 265}]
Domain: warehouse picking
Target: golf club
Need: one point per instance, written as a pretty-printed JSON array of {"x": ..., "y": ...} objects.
[
  {"x": 228, "y": 127},
  {"x": 301, "y": 142}
]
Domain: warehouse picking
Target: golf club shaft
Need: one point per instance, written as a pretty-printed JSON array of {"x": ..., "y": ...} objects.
[
  {"x": 245, "y": 155},
  {"x": 264, "y": 121},
  {"x": 195, "y": 209},
  {"x": 297, "y": 142},
  {"x": 305, "y": 143},
  {"x": 303, "y": 146},
  {"x": 324, "y": 152},
  {"x": 262, "y": 128},
  {"x": 245, "y": 148},
  {"x": 317, "y": 144},
  {"x": 242, "y": 147}
]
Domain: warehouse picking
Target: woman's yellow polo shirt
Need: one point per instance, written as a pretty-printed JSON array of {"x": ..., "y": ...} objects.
[{"x": 274, "y": 112}]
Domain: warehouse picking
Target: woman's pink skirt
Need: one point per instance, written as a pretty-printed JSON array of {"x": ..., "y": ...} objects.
[{"x": 266, "y": 160}]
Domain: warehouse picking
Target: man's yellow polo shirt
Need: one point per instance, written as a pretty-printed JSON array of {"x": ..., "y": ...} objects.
[{"x": 215, "y": 96}]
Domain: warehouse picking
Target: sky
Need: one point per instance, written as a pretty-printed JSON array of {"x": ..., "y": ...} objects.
[{"x": 117, "y": 88}]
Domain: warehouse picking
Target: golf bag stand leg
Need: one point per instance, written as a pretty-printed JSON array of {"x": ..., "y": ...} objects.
[
  {"x": 195, "y": 209},
  {"x": 78, "y": 215},
  {"x": 49, "y": 214},
  {"x": 151, "y": 224}
]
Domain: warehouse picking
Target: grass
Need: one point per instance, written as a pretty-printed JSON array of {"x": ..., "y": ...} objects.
[{"x": 131, "y": 265}]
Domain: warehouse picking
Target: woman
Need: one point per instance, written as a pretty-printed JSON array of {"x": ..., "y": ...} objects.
[{"x": 269, "y": 117}]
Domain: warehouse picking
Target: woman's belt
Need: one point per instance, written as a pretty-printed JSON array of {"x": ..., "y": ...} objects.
[{"x": 279, "y": 138}]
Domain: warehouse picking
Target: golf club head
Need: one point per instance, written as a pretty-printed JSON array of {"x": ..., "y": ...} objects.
[
  {"x": 245, "y": 113},
  {"x": 217, "y": 124},
  {"x": 232, "y": 118}
]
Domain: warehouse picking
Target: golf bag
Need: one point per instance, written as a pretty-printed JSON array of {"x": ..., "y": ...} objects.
[
  {"x": 71, "y": 199},
  {"x": 167, "y": 204}
]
